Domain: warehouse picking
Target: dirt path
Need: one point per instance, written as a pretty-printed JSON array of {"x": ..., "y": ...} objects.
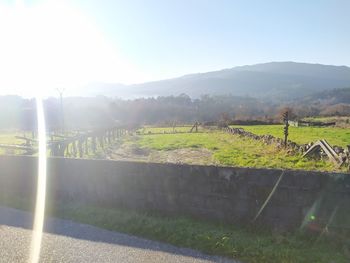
[{"x": 132, "y": 152}]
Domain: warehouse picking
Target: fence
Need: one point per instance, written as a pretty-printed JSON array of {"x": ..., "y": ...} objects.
[{"x": 79, "y": 144}]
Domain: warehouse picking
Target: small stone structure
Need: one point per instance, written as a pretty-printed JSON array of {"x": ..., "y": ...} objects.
[{"x": 322, "y": 146}]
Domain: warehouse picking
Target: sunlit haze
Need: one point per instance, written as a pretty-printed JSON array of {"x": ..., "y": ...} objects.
[
  {"x": 47, "y": 45},
  {"x": 52, "y": 45}
]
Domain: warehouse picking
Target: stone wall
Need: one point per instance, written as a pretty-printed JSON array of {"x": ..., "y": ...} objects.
[
  {"x": 343, "y": 153},
  {"x": 229, "y": 194}
]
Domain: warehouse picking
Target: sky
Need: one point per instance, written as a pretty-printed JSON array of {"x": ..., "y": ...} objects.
[{"x": 48, "y": 45}]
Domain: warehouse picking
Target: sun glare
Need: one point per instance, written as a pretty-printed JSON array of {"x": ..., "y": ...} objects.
[
  {"x": 41, "y": 187},
  {"x": 52, "y": 44}
]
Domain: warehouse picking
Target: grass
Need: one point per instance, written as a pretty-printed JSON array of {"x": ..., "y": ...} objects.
[
  {"x": 247, "y": 245},
  {"x": 233, "y": 150},
  {"x": 9, "y": 138},
  {"x": 303, "y": 135},
  {"x": 327, "y": 119},
  {"x": 150, "y": 129},
  {"x": 341, "y": 121}
]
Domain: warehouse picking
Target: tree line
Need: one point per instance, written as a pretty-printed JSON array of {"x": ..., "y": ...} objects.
[{"x": 91, "y": 112}]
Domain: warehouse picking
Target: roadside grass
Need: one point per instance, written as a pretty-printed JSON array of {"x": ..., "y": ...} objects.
[
  {"x": 302, "y": 135},
  {"x": 233, "y": 150},
  {"x": 249, "y": 245}
]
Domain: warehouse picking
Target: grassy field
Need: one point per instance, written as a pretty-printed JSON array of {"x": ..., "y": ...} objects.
[
  {"x": 232, "y": 150},
  {"x": 9, "y": 138},
  {"x": 150, "y": 129},
  {"x": 225, "y": 149},
  {"x": 341, "y": 121},
  {"x": 247, "y": 245},
  {"x": 302, "y": 135}
]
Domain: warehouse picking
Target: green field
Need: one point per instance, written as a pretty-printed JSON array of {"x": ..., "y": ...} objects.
[
  {"x": 302, "y": 135},
  {"x": 231, "y": 150},
  {"x": 150, "y": 129},
  {"x": 223, "y": 148},
  {"x": 9, "y": 138},
  {"x": 341, "y": 121},
  {"x": 234, "y": 150}
]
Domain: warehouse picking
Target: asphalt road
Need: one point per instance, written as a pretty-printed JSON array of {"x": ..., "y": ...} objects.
[{"x": 67, "y": 241}]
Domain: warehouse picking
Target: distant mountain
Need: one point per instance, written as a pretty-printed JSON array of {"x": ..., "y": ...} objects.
[{"x": 275, "y": 80}]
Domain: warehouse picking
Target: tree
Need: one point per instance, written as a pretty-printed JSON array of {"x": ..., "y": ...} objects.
[{"x": 283, "y": 110}]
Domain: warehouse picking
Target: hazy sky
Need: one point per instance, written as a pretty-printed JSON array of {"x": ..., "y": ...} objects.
[{"x": 70, "y": 43}]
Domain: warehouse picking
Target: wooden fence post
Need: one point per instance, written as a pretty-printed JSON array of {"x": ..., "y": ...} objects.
[{"x": 285, "y": 119}]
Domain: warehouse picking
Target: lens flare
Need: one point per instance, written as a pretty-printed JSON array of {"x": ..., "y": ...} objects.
[{"x": 41, "y": 186}]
